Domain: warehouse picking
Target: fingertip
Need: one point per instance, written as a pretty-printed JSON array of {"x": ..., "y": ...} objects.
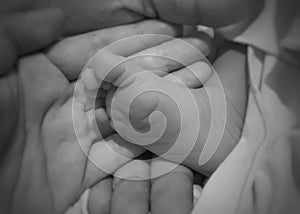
[
  {"x": 99, "y": 200},
  {"x": 193, "y": 76},
  {"x": 203, "y": 71},
  {"x": 172, "y": 192},
  {"x": 132, "y": 188},
  {"x": 106, "y": 156},
  {"x": 101, "y": 115}
]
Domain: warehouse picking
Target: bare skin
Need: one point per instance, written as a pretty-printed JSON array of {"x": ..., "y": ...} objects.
[
  {"x": 48, "y": 157},
  {"x": 131, "y": 80},
  {"x": 26, "y": 51}
]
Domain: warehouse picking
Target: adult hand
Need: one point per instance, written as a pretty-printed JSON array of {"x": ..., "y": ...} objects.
[
  {"x": 133, "y": 191},
  {"x": 232, "y": 77},
  {"x": 43, "y": 167},
  {"x": 132, "y": 195},
  {"x": 136, "y": 192},
  {"x": 88, "y": 15}
]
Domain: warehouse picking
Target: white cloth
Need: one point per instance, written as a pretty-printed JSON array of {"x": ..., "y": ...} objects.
[{"x": 262, "y": 174}]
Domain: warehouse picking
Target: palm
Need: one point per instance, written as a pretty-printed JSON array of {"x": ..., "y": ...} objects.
[
  {"x": 53, "y": 166},
  {"x": 43, "y": 167},
  {"x": 52, "y": 162}
]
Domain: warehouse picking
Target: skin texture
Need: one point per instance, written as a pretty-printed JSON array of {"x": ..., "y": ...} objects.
[
  {"x": 85, "y": 15},
  {"x": 42, "y": 43},
  {"x": 215, "y": 13},
  {"x": 133, "y": 187},
  {"x": 243, "y": 10},
  {"x": 161, "y": 191},
  {"x": 91, "y": 42},
  {"x": 131, "y": 80},
  {"x": 233, "y": 16},
  {"x": 100, "y": 197},
  {"x": 41, "y": 157},
  {"x": 41, "y": 178},
  {"x": 165, "y": 199},
  {"x": 17, "y": 40}
]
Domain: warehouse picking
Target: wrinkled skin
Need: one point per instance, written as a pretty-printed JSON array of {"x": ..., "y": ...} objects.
[
  {"x": 43, "y": 168},
  {"x": 41, "y": 151},
  {"x": 136, "y": 107},
  {"x": 30, "y": 155},
  {"x": 86, "y": 15},
  {"x": 43, "y": 161},
  {"x": 215, "y": 13}
]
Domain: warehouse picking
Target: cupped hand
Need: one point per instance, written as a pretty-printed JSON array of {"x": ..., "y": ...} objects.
[
  {"x": 100, "y": 194},
  {"x": 141, "y": 92},
  {"x": 44, "y": 169},
  {"x": 132, "y": 195},
  {"x": 165, "y": 198},
  {"x": 145, "y": 89}
]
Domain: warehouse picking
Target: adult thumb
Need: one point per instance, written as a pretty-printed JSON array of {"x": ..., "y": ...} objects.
[{"x": 26, "y": 32}]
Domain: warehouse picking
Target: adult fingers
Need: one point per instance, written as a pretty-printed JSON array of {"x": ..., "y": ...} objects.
[
  {"x": 172, "y": 192},
  {"x": 99, "y": 200},
  {"x": 108, "y": 155},
  {"x": 131, "y": 189},
  {"x": 26, "y": 32},
  {"x": 71, "y": 54},
  {"x": 203, "y": 12},
  {"x": 174, "y": 54},
  {"x": 165, "y": 57},
  {"x": 193, "y": 76}
]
